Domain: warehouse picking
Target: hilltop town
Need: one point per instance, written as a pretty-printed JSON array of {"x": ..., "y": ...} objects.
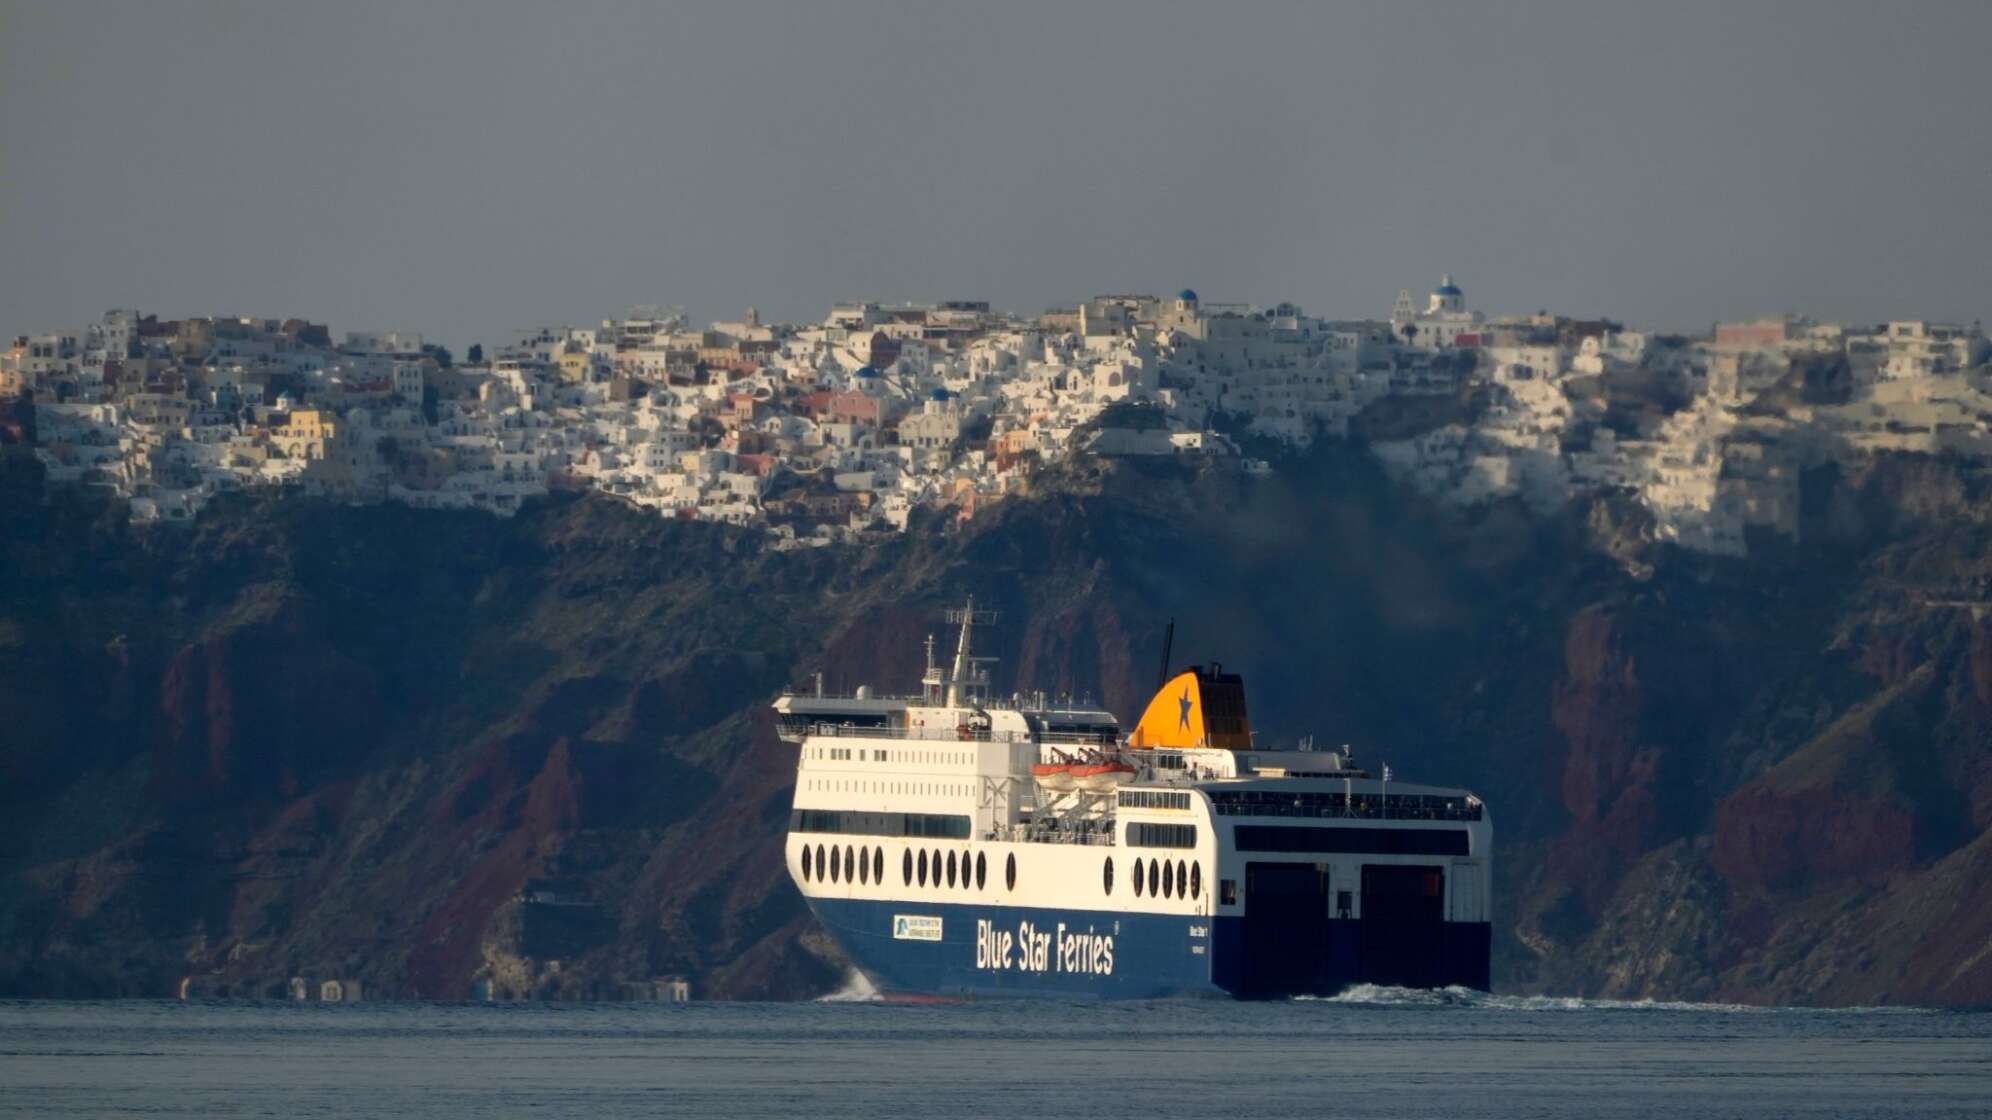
[{"x": 823, "y": 432}]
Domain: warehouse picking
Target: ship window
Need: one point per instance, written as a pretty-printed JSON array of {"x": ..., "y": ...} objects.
[
  {"x": 906, "y": 868},
  {"x": 981, "y": 870},
  {"x": 850, "y": 864},
  {"x": 864, "y": 867},
  {"x": 1107, "y": 875},
  {"x": 1010, "y": 871},
  {"x": 820, "y": 866},
  {"x": 1168, "y": 881},
  {"x": 805, "y": 863},
  {"x": 923, "y": 869},
  {"x": 834, "y": 864},
  {"x": 1196, "y": 880},
  {"x": 1182, "y": 877},
  {"x": 1141, "y": 834},
  {"x": 1140, "y": 879},
  {"x": 1227, "y": 892},
  {"x": 1154, "y": 878},
  {"x": 1368, "y": 841},
  {"x": 951, "y": 869},
  {"x": 878, "y": 865}
]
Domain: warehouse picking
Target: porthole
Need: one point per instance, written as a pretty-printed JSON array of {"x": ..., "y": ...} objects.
[
  {"x": 864, "y": 867},
  {"x": 850, "y": 864},
  {"x": 878, "y": 865},
  {"x": 1010, "y": 871},
  {"x": 1140, "y": 879},
  {"x": 951, "y": 869},
  {"x": 821, "y": 867},
  {"x": 1107, "y": 875},
  {"x": 805, "y": 863},
  {"x": 834, "y": 862},
  {"x": 981, "y": 870},
  {"x": 1182, "y": 877},
  {"x": 1168, "y": 880},
  {"x": 966, "y": 882},
  {"x": 1154, "y": 878},
  {"x": 906, "y": 868},
  {"x": 1196, "y": 880},
  {"x": 937, "y": 867},
  {"x": 923, "y": 869}
]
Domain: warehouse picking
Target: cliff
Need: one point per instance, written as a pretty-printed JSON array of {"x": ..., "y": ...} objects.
[{"x": 438, "y": 750}]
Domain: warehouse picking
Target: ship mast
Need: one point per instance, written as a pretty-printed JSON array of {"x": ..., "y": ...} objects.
[{"x": 967, "y": 683}]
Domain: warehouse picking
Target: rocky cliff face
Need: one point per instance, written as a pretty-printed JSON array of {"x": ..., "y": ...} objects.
[{"x": 438, "y": 752}]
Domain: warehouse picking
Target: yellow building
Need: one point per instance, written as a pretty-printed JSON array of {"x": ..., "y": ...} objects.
[{"x": 305, "y": 433}]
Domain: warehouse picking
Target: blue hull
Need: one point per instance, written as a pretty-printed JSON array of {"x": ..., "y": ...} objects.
[{"x": 972, "y": 950}]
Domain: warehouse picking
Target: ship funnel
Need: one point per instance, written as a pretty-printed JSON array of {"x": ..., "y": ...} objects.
[{"x": 1198, "y": 707}]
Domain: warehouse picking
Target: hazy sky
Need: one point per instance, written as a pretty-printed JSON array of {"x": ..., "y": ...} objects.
[{"x": 467, "y": 168}]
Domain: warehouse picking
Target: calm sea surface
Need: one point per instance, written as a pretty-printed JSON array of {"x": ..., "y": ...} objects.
[{"x": 1377, "y": 1053}]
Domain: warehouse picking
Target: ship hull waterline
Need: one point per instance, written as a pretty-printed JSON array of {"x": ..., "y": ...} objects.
[{"x": 924, "y": 950}]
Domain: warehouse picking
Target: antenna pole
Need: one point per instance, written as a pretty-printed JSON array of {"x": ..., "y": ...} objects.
[{"x": 1168, "y": 643}]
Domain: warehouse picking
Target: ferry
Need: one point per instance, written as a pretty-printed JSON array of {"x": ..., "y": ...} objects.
[{"x": 961, "y": 845}]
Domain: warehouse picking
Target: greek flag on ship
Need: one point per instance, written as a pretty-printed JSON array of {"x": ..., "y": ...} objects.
[{"x": 957, "y": 843}]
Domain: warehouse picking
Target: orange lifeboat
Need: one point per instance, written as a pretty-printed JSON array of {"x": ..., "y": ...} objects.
[
  {"x": 1101, "y": 777},
  {"x": 1055, "y": 776}
]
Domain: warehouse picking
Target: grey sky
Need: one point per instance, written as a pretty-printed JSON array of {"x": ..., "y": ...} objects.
[{"x": 467, "y": 168}]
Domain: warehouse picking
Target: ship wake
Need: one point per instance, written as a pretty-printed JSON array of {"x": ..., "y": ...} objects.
[
  {"x": 856, "y": 989},
  {"x": 1376, "y": 995}
]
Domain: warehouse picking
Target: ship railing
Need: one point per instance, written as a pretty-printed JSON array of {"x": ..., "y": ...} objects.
[
  {"x": 1024, "y": 833},
  {"x": 1393, "y": 807},
  {"x": 1079, "y": 738},
  {"x": 922, "y": 734},
  {"x": 988, "y": 703},
  {"x": 956, "y": 734}
]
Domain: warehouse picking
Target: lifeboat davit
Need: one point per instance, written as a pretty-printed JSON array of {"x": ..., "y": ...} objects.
[
  {"x": 1055, "y": 776},
  {"x": 1100, "y": 777}
]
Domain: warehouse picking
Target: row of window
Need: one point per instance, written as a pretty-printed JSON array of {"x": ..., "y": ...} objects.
[
  {"x": 857, "y": 865},
  {"x": 1357, "y": 841},
  {"x": 881, "y": 754},
  {"x": 1152, "y": 799},
  {"x": 1141, "y": 834},
  {"x": 948, "y": 826},
  {"x": 855, "y": 785},
  {"x": 1397, "y": 806},
  {"x": 1158, "y": 877}
]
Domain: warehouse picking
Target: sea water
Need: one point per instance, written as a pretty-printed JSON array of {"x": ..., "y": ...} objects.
[{"x": 1373, "y": 1052}]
